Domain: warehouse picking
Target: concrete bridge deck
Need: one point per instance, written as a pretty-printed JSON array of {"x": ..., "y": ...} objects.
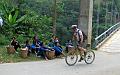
[{"x": 112, "y": 44}]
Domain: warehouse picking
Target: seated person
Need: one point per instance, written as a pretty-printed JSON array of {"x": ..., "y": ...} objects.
[
  {"x": 27, "y": 44},
  {"x": 35, "y": 44},
  {"x": 15, "y": 44},
  {"x": 56, "y": 40},
  {"x": 51, "y": 44},
  {"x": 42, "y": 50},
  {"x": 40, "y": 44},
  {"x": 68, "y": 44},
  {"x": 39, "y": 47},
  {"x": 58, "y": 49}
]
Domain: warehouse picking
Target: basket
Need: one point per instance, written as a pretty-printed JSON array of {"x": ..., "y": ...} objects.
[
  {"x": 24, "y": 52},
  {"x": 10, "y": 50},
  {"x": 50, "y": 54},
  {"x": 71, "y": 48}
]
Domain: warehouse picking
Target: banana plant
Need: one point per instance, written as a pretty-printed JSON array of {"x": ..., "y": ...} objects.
[{"x": 13, "y": 19}]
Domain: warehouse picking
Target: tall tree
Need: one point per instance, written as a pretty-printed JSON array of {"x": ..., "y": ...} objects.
[{"x": 54, "y": 17}]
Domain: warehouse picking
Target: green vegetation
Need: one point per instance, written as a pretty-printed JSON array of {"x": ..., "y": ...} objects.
[{"x": 13, "y": 58}]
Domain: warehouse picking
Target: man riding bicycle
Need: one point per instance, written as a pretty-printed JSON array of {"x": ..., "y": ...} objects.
[{"x": 78, "y": 37}]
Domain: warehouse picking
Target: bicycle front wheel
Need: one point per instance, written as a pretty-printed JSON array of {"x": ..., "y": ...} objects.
[
  {"x": 89, "y": 57},
  {"x": 71, "y": 58}
]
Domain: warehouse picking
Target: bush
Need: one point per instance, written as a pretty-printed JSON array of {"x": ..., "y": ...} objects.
[
  {"x": 4, "y": 40},
  {"x": 21, "y": 39}
]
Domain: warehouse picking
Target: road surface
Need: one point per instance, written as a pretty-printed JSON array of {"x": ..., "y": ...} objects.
[{"x": 104, "y": 64}]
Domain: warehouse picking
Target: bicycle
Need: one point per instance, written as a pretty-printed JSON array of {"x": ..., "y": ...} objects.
[{"x": 71, "y": 57}]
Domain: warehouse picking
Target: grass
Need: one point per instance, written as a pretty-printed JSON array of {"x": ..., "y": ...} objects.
[{"x": 13, "y": 58}]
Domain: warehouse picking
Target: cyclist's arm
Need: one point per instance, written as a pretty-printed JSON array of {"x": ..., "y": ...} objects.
[
  {"x": 81, "y": 36},
  {"x": 74, "y": 36}
]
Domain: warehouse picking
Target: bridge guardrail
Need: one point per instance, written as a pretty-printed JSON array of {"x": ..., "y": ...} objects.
[{"x": 101, "y": 38}]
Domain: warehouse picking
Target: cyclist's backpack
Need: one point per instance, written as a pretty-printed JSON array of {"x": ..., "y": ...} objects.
[{"x": 84, "y": 36}]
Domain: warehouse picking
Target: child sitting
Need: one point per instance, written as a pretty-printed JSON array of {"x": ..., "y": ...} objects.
[
  {"x": 58, "y": 49},
  {"x": 15, "y": 43},
  {"x": 27, "y": 45}
]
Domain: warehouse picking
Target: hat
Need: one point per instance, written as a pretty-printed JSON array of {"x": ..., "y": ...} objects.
[{"x": 74, "y": 26}]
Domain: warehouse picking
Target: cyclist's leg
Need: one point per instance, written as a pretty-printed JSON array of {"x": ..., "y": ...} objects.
[
  {"x": 81, "y": 49},
  {"x": 82, "y": 52}
]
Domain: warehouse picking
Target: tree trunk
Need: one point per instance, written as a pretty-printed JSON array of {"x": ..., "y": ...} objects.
[{"x": 54, "y": 18}]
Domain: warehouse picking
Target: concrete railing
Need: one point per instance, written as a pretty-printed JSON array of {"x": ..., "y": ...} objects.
[{"x": 106, "y": 35}]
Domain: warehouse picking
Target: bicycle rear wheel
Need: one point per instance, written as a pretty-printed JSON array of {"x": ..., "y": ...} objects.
[
  {"x": 89, "y": 57},
  {"x": 71, "y": 58}
]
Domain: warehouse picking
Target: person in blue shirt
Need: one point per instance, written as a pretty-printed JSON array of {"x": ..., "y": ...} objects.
[
  {"x": 51, "y": 44},
  {"x": 40, "y": 48},
  {"x": 58, "y": 49},
  {"x": 27, "y": 45}
]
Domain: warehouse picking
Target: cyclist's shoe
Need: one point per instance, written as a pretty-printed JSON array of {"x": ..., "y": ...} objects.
[
  {"x": 85, "y": 54},
  {"x": 80, "y": 59}
]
